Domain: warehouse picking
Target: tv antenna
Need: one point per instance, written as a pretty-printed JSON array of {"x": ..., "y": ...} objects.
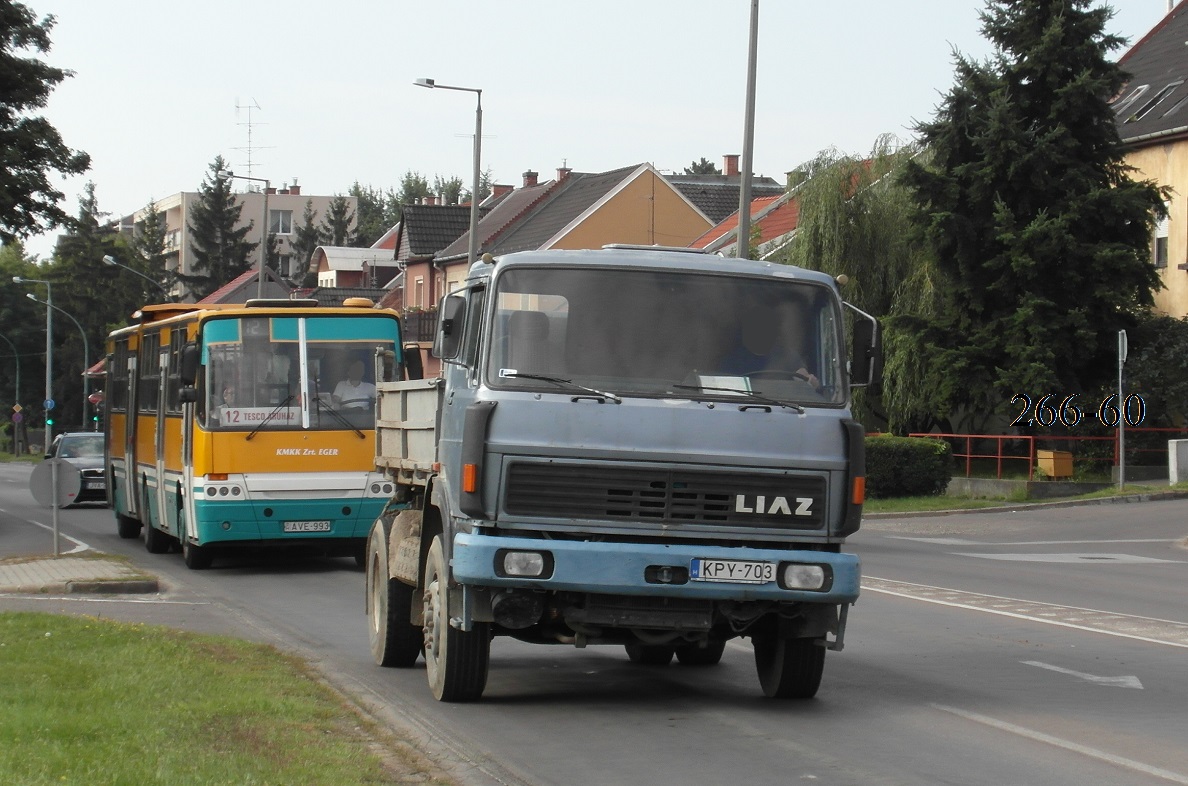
[{"x": 251, "y": 148}]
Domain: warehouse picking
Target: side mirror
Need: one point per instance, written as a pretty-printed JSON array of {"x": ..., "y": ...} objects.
[
  {"x": 189, "y": 364},
  {"x": 413, "y": 367},
  {"x": 447, "y": 343},
  {"x": 864, "y": 360}
]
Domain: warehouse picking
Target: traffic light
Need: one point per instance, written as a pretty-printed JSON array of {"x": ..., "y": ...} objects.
[{"x": 49, "y": 421}]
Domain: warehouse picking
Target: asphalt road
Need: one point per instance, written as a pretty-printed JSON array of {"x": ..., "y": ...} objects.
[{"x": 1044, "y": 647}]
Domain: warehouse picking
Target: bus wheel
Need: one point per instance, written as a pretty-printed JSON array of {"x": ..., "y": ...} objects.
[
  {"x": 456, "y": 661},
  {"x": 789, "y": 668},
  {"x": 127, "y": 527},
  {"x": 709, "y": 655},
  {"x": 394, "y": 640},
  {"x": 156, "y": 541},
  {"x": 196, "y": 557},
  {"x": 649, "y": 654}
]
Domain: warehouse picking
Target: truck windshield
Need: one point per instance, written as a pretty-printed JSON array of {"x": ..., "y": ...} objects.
[
  {"x": 667, "y": 334},
  {"x": 254, "y": 372}
]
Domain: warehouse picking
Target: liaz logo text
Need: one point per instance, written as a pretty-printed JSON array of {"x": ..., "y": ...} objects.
[{"x": 773, "y": 506}]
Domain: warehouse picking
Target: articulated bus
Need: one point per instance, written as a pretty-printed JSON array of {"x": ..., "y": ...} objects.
[{"x": 248, "y": 425}]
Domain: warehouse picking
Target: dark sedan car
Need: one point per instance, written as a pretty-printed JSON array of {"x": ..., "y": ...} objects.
[{"x": 84, "y": 450}]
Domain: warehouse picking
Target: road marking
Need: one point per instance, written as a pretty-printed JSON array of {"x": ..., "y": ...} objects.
[
  {"x": 80, "y": 547},
  {"x": 1127, "y": 626},
  {"x": 1125, "y": 559},
  {"x": 1048, "y": 739},
  {"x": 968, "y": 542},
  {"x": 1117, "y": 682}
]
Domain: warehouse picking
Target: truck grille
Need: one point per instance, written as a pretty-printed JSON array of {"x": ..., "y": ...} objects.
[{"x": 664, "y": 495}]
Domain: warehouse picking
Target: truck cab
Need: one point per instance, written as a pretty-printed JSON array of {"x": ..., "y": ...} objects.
[{"x": 637, "y": 447}]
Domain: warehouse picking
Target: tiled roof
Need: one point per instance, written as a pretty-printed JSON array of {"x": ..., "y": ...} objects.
[
  {"x": 717, "y": 195},
  {"x": 335, "y": 296},
  {"x": 506, "y": 212},
  {"x": 1156, "y": 63},
  {"x": 234, "y": 291},
  {"x": 761, "y": 209},
  {"x": 430, "y": 228},
  {"x": 573, "y": 196}
]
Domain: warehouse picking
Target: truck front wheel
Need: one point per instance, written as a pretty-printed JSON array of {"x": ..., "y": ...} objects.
[
  {"x": 394, "y": 640},
  {"x": 789, "y": 668},
  {"x": 456, "y": 661}
]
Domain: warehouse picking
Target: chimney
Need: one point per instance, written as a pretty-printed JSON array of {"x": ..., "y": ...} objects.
[
  {"x": 270, "y": 190},
  {"x": 431, "y": 199},
  {"x": 498, "y": 190},
  {"x": 562, "y": 173},
  {"x": 295, "y": 190},
  {"x": 730, "y": 164},
  {"x": 530, "y": 178}
]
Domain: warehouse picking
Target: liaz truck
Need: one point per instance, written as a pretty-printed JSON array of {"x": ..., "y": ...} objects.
[{"x": 630, "y": 446}]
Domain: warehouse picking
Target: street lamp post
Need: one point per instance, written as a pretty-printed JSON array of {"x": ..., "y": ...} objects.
[
  {"x": 110, "y": 261},
  {"x": 86, "y": 356},
  {"x": 227, "y": 174},
  {"x": 472, "y": 248},
  {"x": 49, "y": 354}
]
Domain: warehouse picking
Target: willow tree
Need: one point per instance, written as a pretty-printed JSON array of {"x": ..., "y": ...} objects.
[{"x": 856, "y": 220}]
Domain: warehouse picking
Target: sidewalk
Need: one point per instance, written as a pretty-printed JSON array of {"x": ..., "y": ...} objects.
[{"x": 68, "y": 575}]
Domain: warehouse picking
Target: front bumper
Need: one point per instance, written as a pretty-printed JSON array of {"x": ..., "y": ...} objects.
[{"x": 620, "y": 569}]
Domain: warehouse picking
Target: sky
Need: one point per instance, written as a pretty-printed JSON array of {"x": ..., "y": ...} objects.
[{"x": 326, "y": 91}]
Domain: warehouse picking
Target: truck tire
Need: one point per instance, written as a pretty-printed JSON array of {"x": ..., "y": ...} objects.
[
  {"x": 649, "y": 654},
  {"x": 456, "y": 661},
  {"x": 709, "y": 655},
  {"x": 196, "y": 557},
  {"x": 155, "y": 541},
  {"x": 394, "y": 640},
  {"x": 789, "y": 668}
]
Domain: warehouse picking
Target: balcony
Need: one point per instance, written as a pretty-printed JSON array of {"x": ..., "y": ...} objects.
[{"x": 418, "y": 325}]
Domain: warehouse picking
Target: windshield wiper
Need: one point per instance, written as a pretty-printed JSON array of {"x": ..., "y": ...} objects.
[
  {"x": 271, "y": 415},
  {"x": 775, "y": 402},
  {"x": 339, "y": 417},
  {"x": 558, "y": 381}
]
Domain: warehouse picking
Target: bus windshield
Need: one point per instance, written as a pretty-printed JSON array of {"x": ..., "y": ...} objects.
[
  {"x": 285, "y": 373},
  {"x": 668, "y": 334}
]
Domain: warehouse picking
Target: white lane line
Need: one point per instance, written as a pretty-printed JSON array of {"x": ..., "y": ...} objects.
[
  {"x": 84, "y": 599},
  {"x": 1127, "y": 626},
  {"x": 1084, "y": 750},
  {"x": 79, "y": 545},
  {"x": 1069, "y": 558},
  {"x": 968, "y": 542},
  {"x": 1130, "y": 681}
]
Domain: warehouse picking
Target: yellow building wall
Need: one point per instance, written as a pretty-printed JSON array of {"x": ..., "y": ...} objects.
[
  {"x": 1167, "y": 165},
  {"x": 647, "y": 211}
]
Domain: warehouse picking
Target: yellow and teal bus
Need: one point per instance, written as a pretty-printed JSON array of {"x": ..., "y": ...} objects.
[{"x": 248, "y": 425}]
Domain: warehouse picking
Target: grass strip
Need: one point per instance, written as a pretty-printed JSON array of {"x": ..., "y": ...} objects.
[{"x": 98, "y": 702}]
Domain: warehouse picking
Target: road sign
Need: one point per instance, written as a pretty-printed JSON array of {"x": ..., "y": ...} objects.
[
  {"x": 16, "y": 408},
  {"x": 49, "y": 403},
  {"x": 41, "y": 482},
  {"x": 96, "y": 397},
  {"x": 17, "y": 417}
]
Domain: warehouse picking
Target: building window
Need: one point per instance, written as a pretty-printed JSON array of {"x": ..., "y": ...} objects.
[
  {"x": 280, "y": 222},
  {"x": 1134, "y": 95},
  {"x": 1159, "y": 244},
  {"x": 419, "y": 292},
  {"x": 1157, "y": 99}
]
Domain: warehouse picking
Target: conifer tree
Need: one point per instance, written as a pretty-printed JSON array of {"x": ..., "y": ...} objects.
[
  {"x": 306, "y": 238},
  {"x": 336, "y": 227},
  {"x": 1038, "y": 230},
  {"x": 220, "y": 249},
  {"x": 149, "y": 244}
]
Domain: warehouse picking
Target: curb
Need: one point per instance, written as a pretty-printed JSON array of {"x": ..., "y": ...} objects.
[
  {"x": 1154, "y": 496},
  {"x": 72, "y": 587}
]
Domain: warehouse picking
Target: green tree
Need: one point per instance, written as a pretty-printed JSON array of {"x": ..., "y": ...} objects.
[
  {"x": 375, "y": 211},
  {"x": 220, "y": 249},
  {"x": 21, "y": 322},
  {"x": 149, "y": 243},
  {"x": 30, "y": 147},
  {"x": 336, "y": 226},
  {"x": 306, "y": 239},
  {"x": 1037, "y": 228},
  {"x": 702, "y": 167},
  {"x": 450, "y": 190},
  {"x": 413, "y": 188},
  {"x": 856, "y": 220}
]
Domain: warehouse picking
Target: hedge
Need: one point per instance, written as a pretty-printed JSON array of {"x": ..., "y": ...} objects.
[{"x": 906, "y": 466}]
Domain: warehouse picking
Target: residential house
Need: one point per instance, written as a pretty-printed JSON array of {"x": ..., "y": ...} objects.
[
  {"x": 717, "y": 195},
  {"x": 1151, "y": 112},
  {"x": 286, "y": 208},
  {"x": 338, "y": 266},
  {"x": 246, "y": 286},
  {"x": 773, "y": 223}
]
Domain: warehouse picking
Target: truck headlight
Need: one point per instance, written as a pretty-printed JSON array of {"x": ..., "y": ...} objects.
[
  {"x": 524, "y": 564},
  {"x": 797, "y": 576}
]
